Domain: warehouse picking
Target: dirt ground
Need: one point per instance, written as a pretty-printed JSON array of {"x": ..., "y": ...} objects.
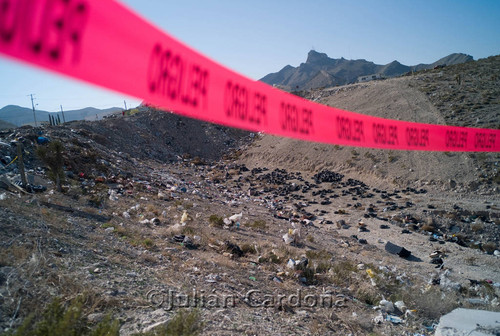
[{"x": 138, "y": 230}]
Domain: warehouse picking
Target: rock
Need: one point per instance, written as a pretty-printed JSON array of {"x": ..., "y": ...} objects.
[
  {"x": 462, "y": 322},
  {"x": 109, "y": 229},
  {"x": 340, "y": 223},
  {"x": 452, "y": 183},
  {"x": 95, "y": 317}
]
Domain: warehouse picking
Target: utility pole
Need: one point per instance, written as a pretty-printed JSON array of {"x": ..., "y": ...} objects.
[
  {"x": 33, "y": 105},
  {"x": 64, "y": 119},
  {"x": 20, "y": 162},
  {"x": 125, "y": 104}
]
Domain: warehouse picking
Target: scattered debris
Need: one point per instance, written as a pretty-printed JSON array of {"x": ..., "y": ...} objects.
[{"x": 395, "y": 249}]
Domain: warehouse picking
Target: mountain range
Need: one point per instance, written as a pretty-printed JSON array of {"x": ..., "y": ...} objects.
[
  {"x": 319, "y": 70},
  {"x": 19, "y": 116}
]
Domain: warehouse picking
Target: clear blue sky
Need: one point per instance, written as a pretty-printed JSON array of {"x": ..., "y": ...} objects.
[{"x": 262, "y": 36}]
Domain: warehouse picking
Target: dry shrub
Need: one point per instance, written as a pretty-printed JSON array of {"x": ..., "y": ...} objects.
[
  {"x": 341, "y": 273},
  {"x": 477, "y": 227},
  {"x": 216, "y": 221},
  {"x": 149, "y": 258},
  {"x": 489, "y": 247},
  {"x": 258, "y": 224},
  {"x": 322, "y": 267},
  {"x": 148, "y": 243},
  {"x": 248, "y": 249},
  {"x": 368, "y": 295},
  {"x": 153, "y": 209},
  {"x": 57, "y": 319},
  {"x": 428, "y": 228},
  {"x": 318, "y": 254},
  {"x": 471, "y": 261},
  {"x": 430, "y": 304},
  {"x": 184, "y": 323},
  {"x": 171, "y": 230},
  {"x": 271, "y": 257}
]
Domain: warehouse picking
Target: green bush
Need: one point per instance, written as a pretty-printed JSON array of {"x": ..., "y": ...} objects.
[
  {"x": 248, "y": 249},
  {"x": 52, "y": 156},
  {"x": 56, "y": 321},
  {"x": 183, "y": 323}
]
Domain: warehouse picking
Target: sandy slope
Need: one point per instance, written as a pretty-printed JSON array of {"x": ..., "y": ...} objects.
[{"x": 394, "y": 99}]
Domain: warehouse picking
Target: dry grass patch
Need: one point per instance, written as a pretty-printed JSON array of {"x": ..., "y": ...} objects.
[
  {"x": 216, "y": 221},
  {"x": 477, "y": 227},
  {"x": 489, "y": 247},
  {"x": 341, "y": 273},
  {"x": 258, "y": 224}
]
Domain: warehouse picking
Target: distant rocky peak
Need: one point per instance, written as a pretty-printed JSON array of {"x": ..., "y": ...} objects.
[
  {"x": 319, "y": 70},
  {"x": 314, "y": 57}
]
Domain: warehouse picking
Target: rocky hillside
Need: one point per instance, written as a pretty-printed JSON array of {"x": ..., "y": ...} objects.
[
  {"x": 162, "y": 136},
  {"x": 321, "y": 71},
  {"x": 432, "y": 96}
]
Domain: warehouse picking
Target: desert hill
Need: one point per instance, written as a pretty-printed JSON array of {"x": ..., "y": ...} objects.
[
  {"x": 19, "y": 116},
  {"x": 433, "y": 96},
  {"x": 319, "y": 70}
]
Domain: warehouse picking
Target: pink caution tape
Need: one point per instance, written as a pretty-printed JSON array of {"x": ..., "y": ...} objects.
[{"x": 105, "y": 43}]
